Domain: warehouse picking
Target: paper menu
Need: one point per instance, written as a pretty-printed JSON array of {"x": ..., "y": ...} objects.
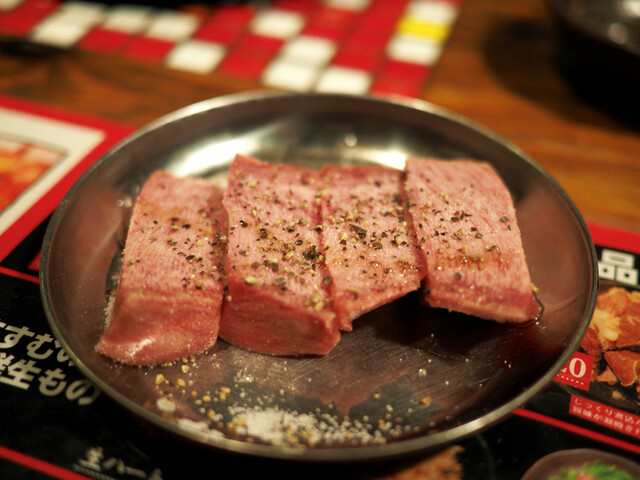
[
  {"x": 35, "y": 374},
  {"x": 42, "y": 152}
]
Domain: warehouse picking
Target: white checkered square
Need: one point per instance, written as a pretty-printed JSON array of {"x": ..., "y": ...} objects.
[
  {"x": 196, "y": 56},
  {"x": 172, "y": 26},
  {"x": 308, "y": 50},
  {"x": 353, "y": 5},
  {"x": 277, "y": 23},
  {"x": 344, "y": 80},
  {"x": 288, "y": 75},
  {"x": 6, "y": 5},
  {"x": 81, "y": 13},
  {"x": 57, "y": 32},
  {"x": 414, "y": 49},
  {"x": 128, "y": 19},
  {"x": 432, "y": 11}
]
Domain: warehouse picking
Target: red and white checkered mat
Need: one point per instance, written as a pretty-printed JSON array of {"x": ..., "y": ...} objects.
[{"x": 343, "y": 46}]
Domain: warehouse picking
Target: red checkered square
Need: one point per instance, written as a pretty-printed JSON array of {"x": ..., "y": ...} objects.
[
  {"x": 233, "y": 18},
  {"x": 149, "y": 49},
  {"x": 404, "y": 70},
  {"x": 18, "y": 25},
  {"x": 305, "y": 7},
  {"x": 212, "y": 32},
  {"x": 361, "y": 56},
  {"x": 105, "y": 41},
  {"x": 259, "y": 46},
  {"x": 226, "y": 25},
  {"x": 385, "y": 86},
  {"x": 242, "y": 65},
  {"x": 389, "y": 9},
  {"x": 331, "y": 23},
  {"x": 22, "y": 19},
  {"x": 401, "y": 78},
  {"x": 37, "y": 8},
  {"x": 376, "y": 28}
]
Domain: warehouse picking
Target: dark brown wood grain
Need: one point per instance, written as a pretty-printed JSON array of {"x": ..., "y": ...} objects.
[{"x": 498, "y": 69}]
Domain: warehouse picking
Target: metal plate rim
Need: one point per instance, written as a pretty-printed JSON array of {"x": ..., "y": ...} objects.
[{"x": 387, "y": 450}]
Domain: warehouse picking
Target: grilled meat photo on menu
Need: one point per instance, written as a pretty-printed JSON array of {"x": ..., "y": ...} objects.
[
  {"x": 21, "y": 165},
  {"x": 613, "y": 338},
  {"x": 286, "y": 258}
]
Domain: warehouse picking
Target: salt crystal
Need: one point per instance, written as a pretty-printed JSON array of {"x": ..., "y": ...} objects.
[{"x": 166, "y": 405}]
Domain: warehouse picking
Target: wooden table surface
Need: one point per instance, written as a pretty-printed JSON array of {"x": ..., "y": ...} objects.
[{"x": 497, "y": 69}]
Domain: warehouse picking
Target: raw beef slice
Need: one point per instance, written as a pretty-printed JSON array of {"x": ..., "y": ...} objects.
[
  {"x": 466, "y": 225},
  {"x": 369, "y": 245},
  {"x": 278, "y": 301},
  {"x": 169, "y": 296}
]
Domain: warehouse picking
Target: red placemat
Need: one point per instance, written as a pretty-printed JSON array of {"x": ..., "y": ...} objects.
[{"x": 346, "y": 46}]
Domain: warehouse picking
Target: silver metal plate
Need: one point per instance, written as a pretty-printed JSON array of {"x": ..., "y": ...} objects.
[{"x": 408, "y": 377}]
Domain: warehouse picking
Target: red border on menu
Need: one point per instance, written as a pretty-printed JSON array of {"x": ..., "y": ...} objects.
[
  {"x": 618, "y": 239},
  {"x": 570, "y": 427},
  {"x": 38, "y": 465},
  {"x": 112, "y": 133}
]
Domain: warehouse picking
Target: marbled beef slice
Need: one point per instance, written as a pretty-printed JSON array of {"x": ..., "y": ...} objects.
[
  {"x": 277, "y": 300},
  {"x": 169, "y": 295},
  {"x": 470, "y": 241},
  {"x": 368, "y": 242}
]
